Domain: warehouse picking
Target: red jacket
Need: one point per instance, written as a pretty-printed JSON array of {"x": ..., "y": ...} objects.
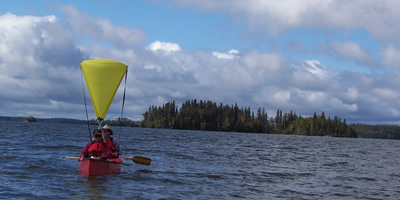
[
  {"x": 110, "y": 143},
  {"x": 101, "y": 150}
]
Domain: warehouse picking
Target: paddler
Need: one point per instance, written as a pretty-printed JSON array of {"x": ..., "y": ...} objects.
[
  {"x": 96, "y": 148},
  {"x": 110, "y": 141}
]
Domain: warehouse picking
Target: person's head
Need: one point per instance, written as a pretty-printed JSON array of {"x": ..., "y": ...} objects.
[
  {"x": 97, "y": 135},
  {"x": 107, "y": 130}
]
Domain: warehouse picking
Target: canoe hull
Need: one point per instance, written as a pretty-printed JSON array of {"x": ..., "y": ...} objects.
[{"x": 92, "y": 167}]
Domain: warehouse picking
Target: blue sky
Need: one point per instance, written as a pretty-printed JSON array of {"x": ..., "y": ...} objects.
[{"x": 337, "y": 57}]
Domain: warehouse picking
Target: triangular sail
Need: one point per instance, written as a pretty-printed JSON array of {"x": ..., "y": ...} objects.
[{"x": 103, "y": 77}]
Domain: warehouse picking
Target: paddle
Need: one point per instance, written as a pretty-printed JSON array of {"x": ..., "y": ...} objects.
[
  {"x": 108, "y": 160},
  {"x": 71, "y": 157},
  {"x": 138, "y": 159}
]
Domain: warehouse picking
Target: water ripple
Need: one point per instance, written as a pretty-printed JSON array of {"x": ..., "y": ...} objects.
[{"x": 199, "y": 165}]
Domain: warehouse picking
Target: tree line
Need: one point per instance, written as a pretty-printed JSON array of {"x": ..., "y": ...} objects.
[
  {"x": 377, "y": 131},
  {"x": 208, "y": 116}
]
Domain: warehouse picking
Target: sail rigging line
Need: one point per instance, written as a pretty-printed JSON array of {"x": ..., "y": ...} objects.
[
  {"x": 84, "y": 99},
  {"x": 122, "y": 111}
]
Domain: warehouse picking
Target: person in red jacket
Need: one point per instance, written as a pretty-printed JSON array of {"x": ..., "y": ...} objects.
[
  {"x": 110, "y": 141},
  {"x": 96, "y": 148}
]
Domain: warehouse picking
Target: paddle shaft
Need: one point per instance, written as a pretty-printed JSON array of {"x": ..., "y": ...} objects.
[
  {"x": 108, "y": 160},
  {"x": 71, "y": 157}
]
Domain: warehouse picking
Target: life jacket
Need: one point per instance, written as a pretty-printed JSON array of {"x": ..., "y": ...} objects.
[
  {"x": 97, "y": 149},
  {"x": 111, "y": 144}
]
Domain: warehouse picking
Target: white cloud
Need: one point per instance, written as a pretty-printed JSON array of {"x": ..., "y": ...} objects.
[
  {"x": 385, "y": 93},
  {"x": 339, "y": 106},
  {"x": 177, "y": 94},
  {"x": 271, "y": 62},
  {"x": 391, "y": 56},
  {"x": 103, "y": 29},
  {"x": 312, "y": 75},
  {"x": 26, "y": 40},
  {"x": 32, "y": 47},
  {"x": 231, "y": 54},
  {"x": 352, "y": 93},
  {"x": 153, "y": 67},
  {"x": 318, "y": 70},
  {"x": 233, "y": 51},
  {"x": 39, "y": 59},
  {"x": 394, "y": 112},
  {"x": 273, "y": 96},
  {"x": 351, "y": 51},
  {"x": 380, "y": 18},
  {"x": 165, "y": 47},
  {"x": 324, "y": 101}
]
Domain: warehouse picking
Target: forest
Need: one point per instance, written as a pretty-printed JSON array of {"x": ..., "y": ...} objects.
[
  {"x": 377, "y": 131},
  {"x": 208, "y": 116}
]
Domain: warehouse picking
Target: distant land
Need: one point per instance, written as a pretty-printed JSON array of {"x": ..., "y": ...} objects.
[
  {"x": 377, "y": 131},
  {"x": 123, "y": 122},
  {"x": 363, "y": 130},
  {"x": 49, "y": 120}
]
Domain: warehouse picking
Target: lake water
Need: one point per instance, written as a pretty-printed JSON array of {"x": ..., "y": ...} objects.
[{"x": 197, "y": 165}]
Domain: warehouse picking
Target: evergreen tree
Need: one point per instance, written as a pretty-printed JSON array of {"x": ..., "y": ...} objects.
[{"x": 206, "y": 115}]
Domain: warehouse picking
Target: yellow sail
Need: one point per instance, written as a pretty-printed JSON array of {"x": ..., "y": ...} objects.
[{"x": 103, "y": 77}]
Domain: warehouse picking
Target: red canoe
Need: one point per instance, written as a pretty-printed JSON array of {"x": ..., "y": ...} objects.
[{"x": 95, "y": 167}]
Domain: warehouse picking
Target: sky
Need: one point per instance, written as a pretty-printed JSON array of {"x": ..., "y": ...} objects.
[{"x": 334, "y": 56}]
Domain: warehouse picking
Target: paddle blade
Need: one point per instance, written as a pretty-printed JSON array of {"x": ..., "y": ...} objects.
[{"x": 141, "y": 160}]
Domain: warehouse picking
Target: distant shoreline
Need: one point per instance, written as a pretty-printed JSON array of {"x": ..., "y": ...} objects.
[
  {"x": 363, "y": 130},
  {"x": 49, "y": 120}
]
